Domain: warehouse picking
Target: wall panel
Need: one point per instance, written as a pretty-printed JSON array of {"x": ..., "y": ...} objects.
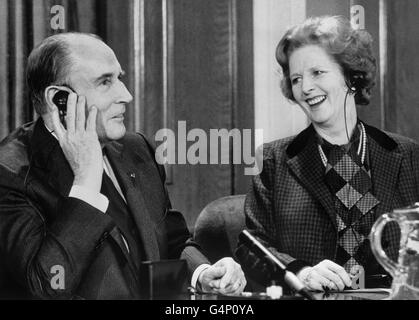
[
  {"x": 4, "y": 49},
  {"x": 202, "y": 94},
  {"x": 402, "y": 111},
  {"x": 278, "y": 117}
]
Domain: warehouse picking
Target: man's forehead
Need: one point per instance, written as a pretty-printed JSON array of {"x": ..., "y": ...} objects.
[{"x": 93, "y": 58}]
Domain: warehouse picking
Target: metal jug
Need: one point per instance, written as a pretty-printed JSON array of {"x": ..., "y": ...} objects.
[{"x": 405, "y": 272}]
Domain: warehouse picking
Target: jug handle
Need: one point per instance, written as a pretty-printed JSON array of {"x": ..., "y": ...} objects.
[{"x": 377, "y": 249}]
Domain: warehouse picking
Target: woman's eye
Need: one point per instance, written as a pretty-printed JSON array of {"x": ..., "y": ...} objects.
[
  {"x": 318, "y": 72},
  {"x": 295, "y": 81}
]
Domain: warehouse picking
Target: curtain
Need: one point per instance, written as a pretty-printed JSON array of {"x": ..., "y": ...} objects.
[{"x": 23, "y": 24}]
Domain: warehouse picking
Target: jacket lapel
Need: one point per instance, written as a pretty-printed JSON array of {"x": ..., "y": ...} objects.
[
  {"x": 305, "y": 163},
  {"x": 385, "y": 167},
  {"x": 49, "y": 158},
  {"x": 132, "y": 182}
]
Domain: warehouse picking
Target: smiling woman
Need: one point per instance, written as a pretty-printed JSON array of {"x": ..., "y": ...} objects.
[
  {"x": 350, "y": 49},
  {"x": 320, "y": 192},
  {"x": 326, "y": 65},
  {"x": 318, "y": 86}
]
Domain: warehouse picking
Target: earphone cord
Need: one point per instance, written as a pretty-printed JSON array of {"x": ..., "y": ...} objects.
[
  {"x": 352, "y": 169},
  {"x": 344, "y": 113}
]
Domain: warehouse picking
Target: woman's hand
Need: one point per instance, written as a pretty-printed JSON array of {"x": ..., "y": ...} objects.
[{"x": 325, "y": 274}]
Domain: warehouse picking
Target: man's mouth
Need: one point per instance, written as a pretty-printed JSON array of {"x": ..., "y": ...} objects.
[
  {"x": 312, "y": 102},
  {"x": 119, "y": 115}
]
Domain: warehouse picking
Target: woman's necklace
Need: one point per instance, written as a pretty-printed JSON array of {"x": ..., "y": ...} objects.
[{"x": 361, "y": 147}]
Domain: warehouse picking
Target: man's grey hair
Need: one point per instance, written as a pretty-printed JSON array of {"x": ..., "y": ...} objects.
[{"x": 50, "y": 64}]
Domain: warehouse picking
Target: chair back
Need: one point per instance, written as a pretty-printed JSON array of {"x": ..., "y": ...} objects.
[{"x": 219, "y": 225}]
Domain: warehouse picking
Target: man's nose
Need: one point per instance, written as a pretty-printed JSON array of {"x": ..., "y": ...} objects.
[
  {"x": 124, "y": 95},
  {"x": 307, "y": 85}
]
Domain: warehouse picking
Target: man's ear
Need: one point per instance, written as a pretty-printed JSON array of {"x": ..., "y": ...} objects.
[{"x": 49, "y": 94}]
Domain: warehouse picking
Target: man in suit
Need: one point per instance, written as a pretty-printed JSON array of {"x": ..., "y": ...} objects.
[{"x": 82, "y": 197}]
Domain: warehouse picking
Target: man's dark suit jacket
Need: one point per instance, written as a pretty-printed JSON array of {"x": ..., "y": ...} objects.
[
  {"x": 291, "y": 210},
  {"x": 40, "y": 226}
]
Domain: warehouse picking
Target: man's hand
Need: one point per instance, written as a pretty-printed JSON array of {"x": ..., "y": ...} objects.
[
  {"x": 225, "y": 277},
  {"x": 325, "y": 274},
  {"x": 80, "y": 143}
]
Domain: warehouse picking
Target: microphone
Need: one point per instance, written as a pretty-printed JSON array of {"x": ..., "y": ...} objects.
[{"x": 262, "y": 252}]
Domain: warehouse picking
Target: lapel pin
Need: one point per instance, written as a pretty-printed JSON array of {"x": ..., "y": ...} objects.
[{"x": 132, "y": 177}]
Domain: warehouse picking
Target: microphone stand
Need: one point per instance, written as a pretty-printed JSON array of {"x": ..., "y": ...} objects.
[{"x": 290, "y": 278}]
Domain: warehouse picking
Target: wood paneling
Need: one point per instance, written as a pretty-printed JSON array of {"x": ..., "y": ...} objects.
[
  {"x": 153, "y": 68},
  {"x": 207, "y": 92},
  {"x": 203, "y": 95},
  {"x": 4, "y": 48},
  {"x": 140, "y": 55},
  {"x": 119, "y": 36},
  {"x": 373, "y": 113},
  {"x": 327, "y": 7},
  {"x": 18, "y": 35},
  {"x": 402, "y": 112},
  {"x": 244, "y": 96},
  {"x": 83, "y": 11}
]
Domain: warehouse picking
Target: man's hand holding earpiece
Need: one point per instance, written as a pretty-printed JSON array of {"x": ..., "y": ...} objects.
[{"x": 80, "y": 143}]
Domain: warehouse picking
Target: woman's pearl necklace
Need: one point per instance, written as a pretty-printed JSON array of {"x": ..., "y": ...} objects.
[{"x": 362, "y": 146}]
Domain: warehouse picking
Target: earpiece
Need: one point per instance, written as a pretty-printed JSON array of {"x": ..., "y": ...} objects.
[
  {"x": 357, "y": 81},
  {"x": 349, "y": 88}
]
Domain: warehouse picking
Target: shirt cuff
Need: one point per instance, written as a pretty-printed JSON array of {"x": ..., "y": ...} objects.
[
  {"x": 297, "y": 265},
  {"x": 197, "y": 272},
  {"x": 95, "y": 199}
]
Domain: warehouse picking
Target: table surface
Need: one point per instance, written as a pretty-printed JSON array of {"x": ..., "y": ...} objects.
[
  {"x": 352, "y": 296},
  {"x": 356, "y": 295}
]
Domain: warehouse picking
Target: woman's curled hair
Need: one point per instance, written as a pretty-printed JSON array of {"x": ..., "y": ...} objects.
[{"x": 351, "y": 49}]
